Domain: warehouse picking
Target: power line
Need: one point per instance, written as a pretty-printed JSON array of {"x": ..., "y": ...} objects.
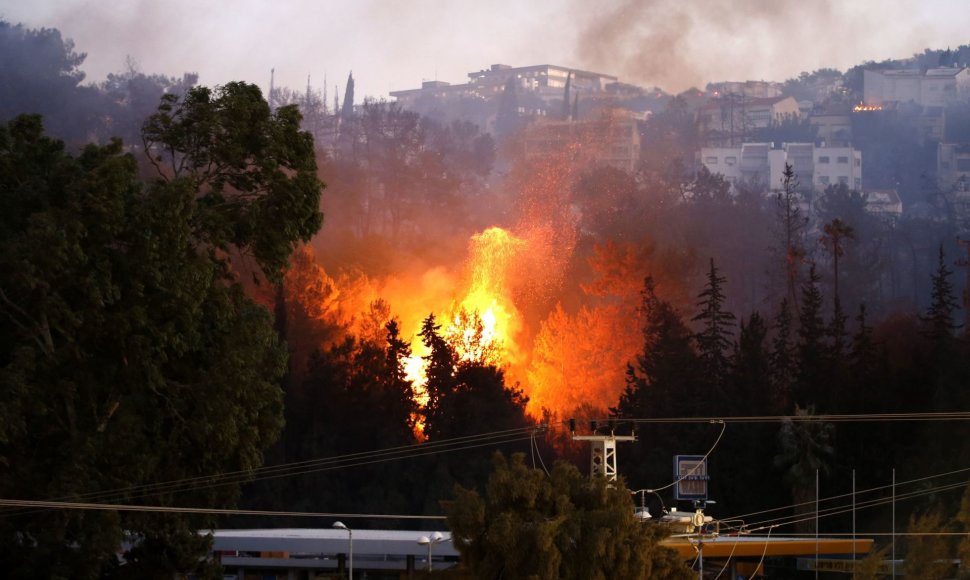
[
  {"x": 210, "y": 511},
  {"x": 844, "y": 508},
  {"x": 699, "y": 463},
  {"x": 748, "y": 516},
  {"x": 848, "y": 418},
  {"x": 312, "y": 466}
]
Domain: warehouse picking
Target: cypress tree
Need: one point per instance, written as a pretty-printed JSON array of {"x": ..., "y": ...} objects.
[{"x": 347, "y": 112}]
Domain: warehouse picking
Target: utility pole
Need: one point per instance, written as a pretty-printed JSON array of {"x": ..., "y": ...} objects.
[
  {"x": 602, "y": 449},
  {"x": 965, "y": 263}
]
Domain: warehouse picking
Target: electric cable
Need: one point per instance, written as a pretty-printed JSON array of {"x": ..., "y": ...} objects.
[
  {"x": 699, "y": 463},
  {"x": 299, "y": 468}
]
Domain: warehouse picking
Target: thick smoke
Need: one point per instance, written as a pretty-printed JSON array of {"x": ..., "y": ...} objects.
[{"x": 678, "y": 44}]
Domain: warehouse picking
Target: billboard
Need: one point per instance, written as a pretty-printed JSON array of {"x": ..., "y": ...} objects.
[{"x": 690, "y": 475}]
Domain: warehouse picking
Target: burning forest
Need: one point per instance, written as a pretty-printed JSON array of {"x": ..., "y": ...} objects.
[{"x": 502, "y": 275}]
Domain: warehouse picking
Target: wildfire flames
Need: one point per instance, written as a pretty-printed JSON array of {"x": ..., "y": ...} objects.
[
  {"x": 864, "y": 108},
  {"x": 484, "y": 324},
  {"x": 511, "y": 299}
]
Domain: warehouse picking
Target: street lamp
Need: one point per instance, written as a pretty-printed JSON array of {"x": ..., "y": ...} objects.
[
  {"x": 341, "y": 526},
  {"x": 436, "y": 538}
]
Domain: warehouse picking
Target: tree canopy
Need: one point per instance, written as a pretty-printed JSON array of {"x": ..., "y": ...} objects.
[
  {"x": 561, "y": 525},
  {"x": 130, "y": 355}
]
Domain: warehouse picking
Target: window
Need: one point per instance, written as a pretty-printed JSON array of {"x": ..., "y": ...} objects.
[
  {"x": 858, "y": 162},
  {"x": 844, "y": 180},
  {"x": 710, "y": 160},
  {"x": 730, "y": 160},
  {"x": 823, "y": 159},
  {"x": 857, "y": 183},
  {"x": 963, "y": 164},
  {"x": 843, "y": 159},
  {"x": 823, "y": 179}
]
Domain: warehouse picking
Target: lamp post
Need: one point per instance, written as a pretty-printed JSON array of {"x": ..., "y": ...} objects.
[
  {"x": 350, "y": 532},
  {"x": 436, "y": 538}
]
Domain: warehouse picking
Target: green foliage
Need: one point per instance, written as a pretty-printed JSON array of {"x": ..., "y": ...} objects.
[
  {"x": 938, "y": 324},
  {"x": 805, "y": 451},
  {"x": 253, "y": 168},
  {"x": 465, "y": 397},
  {"x": 810, "y": 347},
  {"x": 714, "y": 338},
  {"x": 129, "y": 355},
  {"x": 40, "y": 73},
  {"x": 529, "y": 525},
  {"x": 963, "y": 522},
  {"x": 663, "y": 378},
  {"x": 783, "y": 358},
  {"x": 927, "y": 555}
]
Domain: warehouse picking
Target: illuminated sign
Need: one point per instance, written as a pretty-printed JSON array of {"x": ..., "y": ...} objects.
[{"x": 690, "y": 473}]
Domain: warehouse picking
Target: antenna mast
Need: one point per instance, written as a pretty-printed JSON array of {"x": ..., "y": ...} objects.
[{"x": 602, "y": 449}]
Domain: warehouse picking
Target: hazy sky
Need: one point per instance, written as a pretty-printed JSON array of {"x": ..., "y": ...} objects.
[{"x": 396, "y": 44}]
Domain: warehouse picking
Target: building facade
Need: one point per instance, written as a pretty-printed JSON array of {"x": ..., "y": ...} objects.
[
  {"x": 935, "y": 87},
  {"x": 764, "y": 164}
]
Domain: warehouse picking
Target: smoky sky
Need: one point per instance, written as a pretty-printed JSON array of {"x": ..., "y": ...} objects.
[
  {"x": 676, "y": 44},
  {"x": 393, "y": 45}
]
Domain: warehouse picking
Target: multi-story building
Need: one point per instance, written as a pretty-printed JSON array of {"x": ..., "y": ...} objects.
[
  {"x": 832, "y": 123},
  {"x": 953, "y": 166},
  {"x": 540, "y": 90},
  {"x": 728, "y": 118},
  {"x": 612, "y": 138},
  {"x": 764, "y": 163},
  {"x": 935, "y": 87},
  {"x": 750, "y": 89}
]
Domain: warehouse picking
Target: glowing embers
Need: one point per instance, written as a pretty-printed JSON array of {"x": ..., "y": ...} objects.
[{"x": 481, "y": 323}]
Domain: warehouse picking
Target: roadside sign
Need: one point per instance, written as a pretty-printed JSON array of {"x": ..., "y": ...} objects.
[{"x": 690, "y": 473}]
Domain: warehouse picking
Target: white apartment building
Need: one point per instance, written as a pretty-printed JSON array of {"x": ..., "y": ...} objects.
[
  {"x": 953, "y": 166},
  {"x": 935, "y": 87},
  {"x": 764, "y": 163}
]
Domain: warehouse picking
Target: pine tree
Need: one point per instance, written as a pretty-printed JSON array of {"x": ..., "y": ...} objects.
[
  {"x": 400, "y": 391},
  {"x": 664, "y": 381},
  {"x": 714, "y": 339},
  {"x": 751, "y": 366},
  {"x": 938, "y": 324},
  {"x": 836, "y": 330},
  {"x": 782, "y": 359},
  {"x": 810, "y": 346},
  {"x": 440, "y": 373}
]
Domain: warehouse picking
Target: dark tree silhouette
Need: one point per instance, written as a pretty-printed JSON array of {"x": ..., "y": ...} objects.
[{"x": 714, "y": 338}]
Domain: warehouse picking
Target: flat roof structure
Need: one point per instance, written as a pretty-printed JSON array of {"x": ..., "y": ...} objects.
[
  {"x": 764, "y": 546},
  {"x": 287, "y": 552}
]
